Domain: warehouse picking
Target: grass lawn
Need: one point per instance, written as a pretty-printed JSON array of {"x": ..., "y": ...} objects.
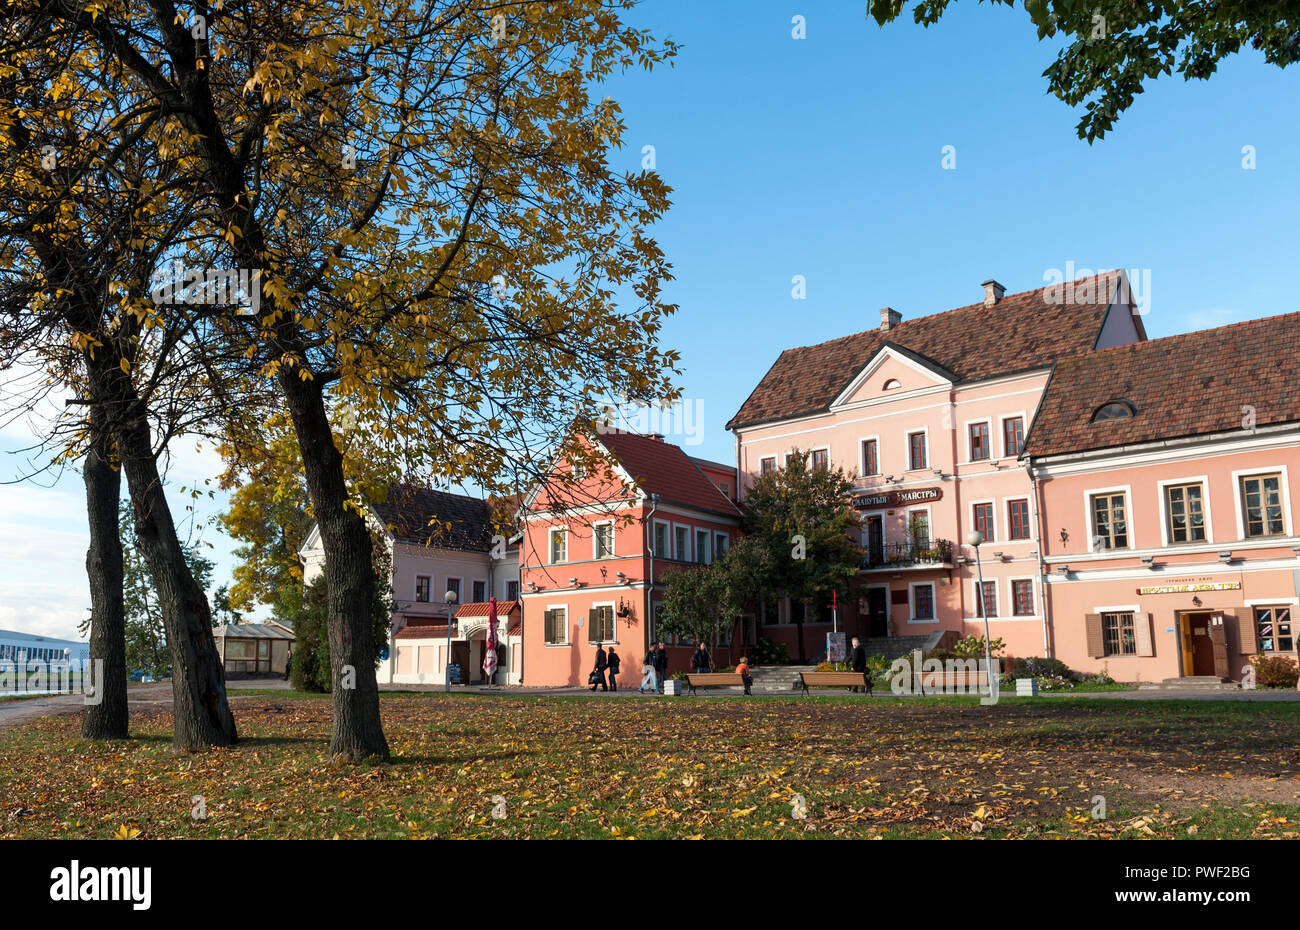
[{"x": 679, "y": 768}]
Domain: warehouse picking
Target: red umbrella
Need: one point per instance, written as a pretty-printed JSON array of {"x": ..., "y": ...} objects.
[{"x": 490, "y": 659}]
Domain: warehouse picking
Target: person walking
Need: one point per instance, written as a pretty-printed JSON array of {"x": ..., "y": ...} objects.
[
  {"x": 614, "y": 662},
  {"x": 742, "y": 669},
  {"x": 661, "y": 666},
  {"x": 700, "y": 659},
  {"x": 598, "y": 673},
  {"x": 858, "y": 660},
  {"x": 648, "y": 674}
]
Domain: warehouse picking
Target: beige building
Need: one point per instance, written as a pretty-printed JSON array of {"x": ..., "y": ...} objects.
[{"x": 442, "y": 543}]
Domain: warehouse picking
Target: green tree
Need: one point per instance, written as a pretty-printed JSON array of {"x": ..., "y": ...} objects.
[
  {"x": 703, "y": 603},
  {"x": 1114, "y": 47},
  {"x": 310, "y": 669},
  {"x": 803, "y": 518}
]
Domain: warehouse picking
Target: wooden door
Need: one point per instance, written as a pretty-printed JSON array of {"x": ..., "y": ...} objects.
[{"x": 878, "y": 611}]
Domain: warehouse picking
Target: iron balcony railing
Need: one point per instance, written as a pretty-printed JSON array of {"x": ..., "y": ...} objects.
[{"x": 902, "y": 555}]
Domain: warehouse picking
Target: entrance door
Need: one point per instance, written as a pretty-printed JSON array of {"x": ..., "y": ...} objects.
[
  {"x": 878, "y": 611},
  {"x": 1198, "y": 646}
]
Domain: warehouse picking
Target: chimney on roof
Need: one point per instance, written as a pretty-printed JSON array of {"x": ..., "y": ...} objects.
[
  {"x": 657, "y": 437},
  {"x": 889, "y": 318},
  {"x": 993, "y": 292}
]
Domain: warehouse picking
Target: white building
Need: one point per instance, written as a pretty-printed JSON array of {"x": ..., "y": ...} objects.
[{"x": 443, "y": 543}]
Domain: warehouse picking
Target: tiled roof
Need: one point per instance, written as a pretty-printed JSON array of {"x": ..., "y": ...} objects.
[
  {"x": 409, "y": 513},
  {"x": 480, "y": 608},
  {"x": 1188, "y": 385},
  {"x": 250, "y": 631},
  {"x": 1021, "y": 332},
  {"x": 425, "y": 628},
  {"x": 662, "y": 468}
]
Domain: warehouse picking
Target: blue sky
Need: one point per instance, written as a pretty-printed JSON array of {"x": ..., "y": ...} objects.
[{"x": 822, "y": 157}]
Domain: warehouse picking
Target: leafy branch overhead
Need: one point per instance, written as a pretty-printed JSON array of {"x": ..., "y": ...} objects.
[{"x": 1114, "y": 47}]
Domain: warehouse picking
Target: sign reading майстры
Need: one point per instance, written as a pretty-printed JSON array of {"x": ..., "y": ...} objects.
[
  {"x": 898, "y": 498},
  {"x": 1189, "y": 588}
]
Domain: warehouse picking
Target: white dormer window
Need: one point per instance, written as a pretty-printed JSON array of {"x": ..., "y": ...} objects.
[{"x": 892, "y": 384}]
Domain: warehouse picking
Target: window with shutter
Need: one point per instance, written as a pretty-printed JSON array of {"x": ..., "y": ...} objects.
[
  {"x": 1245, "y": 630},
  {"x": 1096, "y": 641},
  {"x": 1142, "y": 635}
]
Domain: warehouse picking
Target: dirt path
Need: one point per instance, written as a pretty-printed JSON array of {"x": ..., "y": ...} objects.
[{"x": 15, "y": 713}]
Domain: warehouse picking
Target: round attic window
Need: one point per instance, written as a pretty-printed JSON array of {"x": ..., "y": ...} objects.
[
  {"x": 892, "y": 384},
  {"x": 1114, "y": 410}
]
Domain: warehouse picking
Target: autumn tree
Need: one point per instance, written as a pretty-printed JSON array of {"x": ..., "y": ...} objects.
[
  {"x": 442, "y": 244},
  {"x": 87, "y": 213},
  {"x": 1113, "y": 48},
  {"x": 804, "y": 519},
  {"x": 703, "y": 603}
]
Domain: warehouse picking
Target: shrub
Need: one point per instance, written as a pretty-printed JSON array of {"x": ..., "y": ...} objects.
[
  {"x": 972, "y": 647},
  {"x": 310, "y": 669},
  {"x": 767, "y": 652},
  {"x": 878, "y": 663},
  {"x": 1038, "y": 667},
  {"x": 1275, "y": 671},
  {"x": 833, "y": 667}
]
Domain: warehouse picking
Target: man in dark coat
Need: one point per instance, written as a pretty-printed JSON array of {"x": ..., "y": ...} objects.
[
  {"x": 858, "y": 659},
  {"x": 661, "y": 666},
  {"x": 700, "y": 659},
  {"x": 599, "y": 671},
  {"x": 613, "y": 662}
]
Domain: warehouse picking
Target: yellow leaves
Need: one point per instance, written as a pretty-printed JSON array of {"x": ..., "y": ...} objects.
[
  {"x": 124, "y": 365},
  {"x": 743, "y": 811},
  {"x": 125, "y": 832}
]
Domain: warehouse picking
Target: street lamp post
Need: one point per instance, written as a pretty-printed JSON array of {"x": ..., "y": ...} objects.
[
  {"x": 976, "y": 539},
  {"x": 450, "y": 598}
]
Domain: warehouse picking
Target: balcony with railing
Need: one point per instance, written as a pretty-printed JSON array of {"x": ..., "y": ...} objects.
[{"x": 918, "y": 553}]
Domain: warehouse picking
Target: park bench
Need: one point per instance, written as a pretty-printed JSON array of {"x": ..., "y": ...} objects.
[
  {"x": 835, "y": 680},
  {"x": 712, "y": 680}
]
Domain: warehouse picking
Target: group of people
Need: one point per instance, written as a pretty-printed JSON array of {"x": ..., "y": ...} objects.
[{"x": 655, "y": 668}]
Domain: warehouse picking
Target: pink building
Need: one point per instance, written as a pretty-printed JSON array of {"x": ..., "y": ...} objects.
[
  {"x": 592, "y": 558},
  {"x": 930, "y": 416},
  {"x": 1162, "y": 472}
]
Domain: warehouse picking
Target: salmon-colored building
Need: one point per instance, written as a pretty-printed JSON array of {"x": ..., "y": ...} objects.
[
  {"x": 595, "y": 550},
  {"x": 929, "y": 415},
  {"x": 1163, "y": 474}
]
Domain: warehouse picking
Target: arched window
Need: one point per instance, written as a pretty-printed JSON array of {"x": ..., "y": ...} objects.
[
  {"x": 1113, "y": 410},
  {"x": 892, "y": 384}
]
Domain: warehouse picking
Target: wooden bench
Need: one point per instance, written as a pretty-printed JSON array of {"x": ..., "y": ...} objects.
[
  {"x": 712, "y": 680},
  {"x": 835, "y": 680}
]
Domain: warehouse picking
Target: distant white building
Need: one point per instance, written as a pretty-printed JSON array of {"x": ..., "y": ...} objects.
[
  {"x": 28, "y": 646},
  {"x": 441, "y": 542}
]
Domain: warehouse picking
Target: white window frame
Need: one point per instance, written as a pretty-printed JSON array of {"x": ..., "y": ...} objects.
[
  {"x": 487, "y": 590},
  {"x": 416, "y": 590},
  {"x": 668, "y": 538},
  {"x": 993, "y": 507},
  {"x": 764, "y": 458},
  {"x": 812, "y": 449},
  {"x": 690, "y": 542},
  {"x": 911, "y": 601},
  {"x": 1029, "y": 517},
  {"x": 997, "y": 596},
  {"x": 1241, "y": 504},
  {"x": 970, "y": 457},
  {"x": 550, "y": 544},
  {"x": 907, "y": 526},
  {"x": 862, "y": 459},
  {"x": 565, "y": 608},
  {"x": 613, "y": 611},
  {"x": 1036, "y": 614},
  {"x": 1088, "y": 495},
  {"x": 1204, "y": 482},
  {"x": 718, "y": 534},
  {"x": 1002, "y": 432},
  {"x": 907, "y": 449},
  {"x": 695, "y": 542},
  {"x": 595, "y": 539},
  {"x": 460, "y": 588}
]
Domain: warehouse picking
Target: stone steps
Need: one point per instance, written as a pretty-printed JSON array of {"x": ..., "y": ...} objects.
[{"x": 1190, "y": 683}]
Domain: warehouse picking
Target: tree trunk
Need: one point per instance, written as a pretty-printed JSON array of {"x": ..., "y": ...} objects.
[
  {"x": 106, "y": 717},
  {"x": 199, "y": 700},
  {"x": 349, "y": 575}
]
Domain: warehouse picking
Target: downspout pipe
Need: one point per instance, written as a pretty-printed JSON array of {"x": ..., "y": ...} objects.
[
  {"x": 650, "y": 579},
  {"x": 1042, "y": 555}
]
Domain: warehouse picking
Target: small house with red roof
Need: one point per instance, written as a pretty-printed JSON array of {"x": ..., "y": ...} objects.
[{"x": 597, "y": 545}]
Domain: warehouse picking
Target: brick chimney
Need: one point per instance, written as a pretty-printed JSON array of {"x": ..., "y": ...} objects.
[
  {"x": 993, "y": 292},
  {"x": 889, "y": 318}
]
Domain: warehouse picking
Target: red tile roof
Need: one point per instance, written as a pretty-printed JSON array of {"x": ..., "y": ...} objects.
[
  {"x": 1187, "y": 385},
  {"x": 1021, "y": 332},
  {"x": 480, "y": 608},
  {"x": 662, "y": 468}
]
